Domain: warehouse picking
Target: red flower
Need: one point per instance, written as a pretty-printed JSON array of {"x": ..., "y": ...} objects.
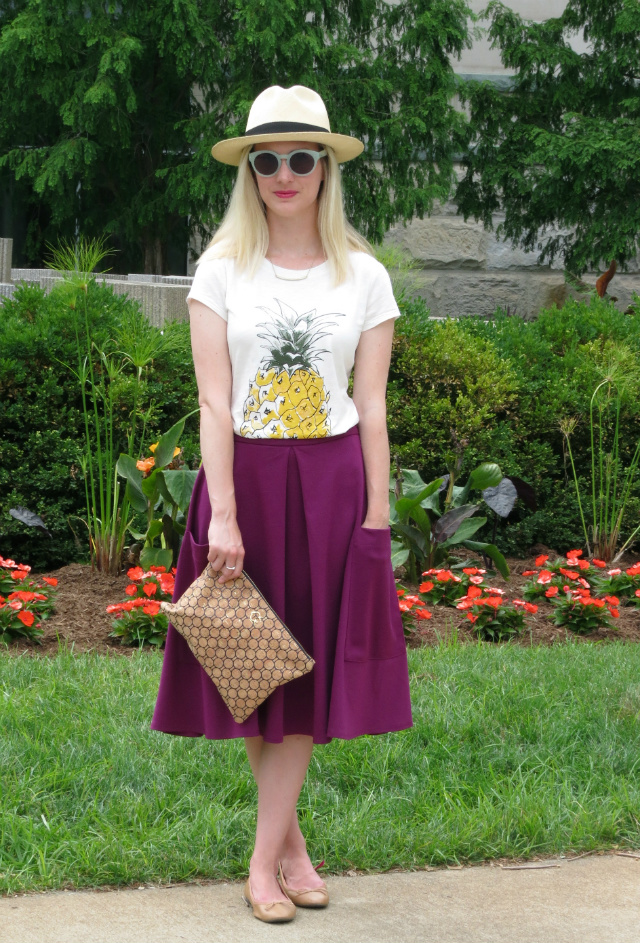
[
  {"x": 474, "y": 592},
  {"x": 158, "y": 569},
  {"x": 634, "y": 570},
  {"x": 582, "y": 564},
  {"x": 114, "y": 607},
  {"x": 135, "y": 573},
  {"x": 19, "y": 575},
  {"x": 422, "y": 614},
  {"x": 529, "y": 572},
  {"x": 542, "y": 559},
  {"x": 552, "y": 591},
  {"x": 472, "y": 570},
  {"x": 599, "y": 563},
  {"x": 519, "y": 602},
  {"x": 404, "y": 606},
  {"x": 150, "y": 589},
  {"x": 15, "y": 604},
  {"x": 167, "y": 582},
  {"x": 400, "y": 592},
  {"x": 131, "y": 589},
  {"x": 570, "y": 574},
  {"x": 637, "y": 593},
  {"x": 614, "y": 572},
  {"x": 27, "y": 618},
  {"x": 426, "y": 587},
  {"x": 443, "y": 576},
  {"x": 476, "y": 579},
  {"x": 465, "y": 603},
  {"x": 151, "y": 608},
  {"x": 545, "y": 576},
  {"x": 615, "y": 612},
  {"x": 529, "y": 606},
  {"x": 613, "y": 600},
  {"x": 493, "y": 601},
  {"x": 574, "y": 553},
  {"x": 22, "y": 594},
  {"x": 584, "y": 583},
  {"x": 51, "y": 580},
  {"x": 471, "y": 618}
]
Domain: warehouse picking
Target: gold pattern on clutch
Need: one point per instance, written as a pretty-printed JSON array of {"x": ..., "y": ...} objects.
[{"x": 239, "y": 640}]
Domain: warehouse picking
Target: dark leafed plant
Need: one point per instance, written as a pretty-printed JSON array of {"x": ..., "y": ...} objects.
[{"x": 427, "y": 520}]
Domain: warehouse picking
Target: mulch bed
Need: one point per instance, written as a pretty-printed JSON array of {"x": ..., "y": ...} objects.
[{"x": 81, "y": 622}]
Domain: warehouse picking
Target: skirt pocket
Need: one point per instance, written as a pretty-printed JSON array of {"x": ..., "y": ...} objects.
[{"x": 373, "y": 624}]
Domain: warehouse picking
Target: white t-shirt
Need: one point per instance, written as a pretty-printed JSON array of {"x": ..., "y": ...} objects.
[{"x": 292, "y": 343}]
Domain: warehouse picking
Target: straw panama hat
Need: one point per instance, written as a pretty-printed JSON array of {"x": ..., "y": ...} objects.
[{"x": 287, "y": 114}]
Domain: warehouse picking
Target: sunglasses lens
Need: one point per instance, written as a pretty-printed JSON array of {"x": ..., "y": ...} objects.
[
  {"x": 265, "y": 164},
  {"x": 301, "y": 163}
]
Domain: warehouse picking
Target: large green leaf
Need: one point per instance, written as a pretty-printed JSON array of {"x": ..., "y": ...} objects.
[
  {"x": 405, "y": 504},
  {"x": 412, "y": 483},
  {"x": 399, "y": 554},
  {"x": 493, "y": 553},
  {"x": 467, "y": 529},
  {"x": 167, "y": 444},
  {"x": 155, "y": 529},
  {"x": 487, "y": 475},
  {"x": 180, "y": 485},
  {"x": 156, "y": 556},
  {"x": 422, "y": 519},
  {"x": 126, "y": 467}
]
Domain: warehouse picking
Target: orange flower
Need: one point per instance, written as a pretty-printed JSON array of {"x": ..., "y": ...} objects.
[
  {"x": 476, "y": 579},
  {"x": 529, "y": 606},
  {"x": 155, "y": 445},
  {"x": 637, "y": 593},
  {"x": 131, "y": 589},
  {"x": 542, "y": 559},
  {"x": 151, "y": 608},
  {"x": 114, "y": 607},
  {"x": 529, "y": 572},
  {"x": 157, "y": 569},
  {"x": 574, "y": 553},
  {"x": 400, "y": 592},
  {"x": 426, "y": 587},
  {"x": 27, "y": 618},
  {"x": 145, "y": 465},
  {"x": 19, "y": 575},
  {"x": 613, "y": 600},
  {"x": 614, "y": 612},
  {"x": 51, "y": 580},
  {"x": 552, "y": 591},
  {"x": 472, "y": 570},
  {"x": 471, "y": 617},
  {"x": 599, "y": 563},
  {"x": 22, "y": 594},
  {"x": 545, "y": 576},
  {"x": 570, "y": 574},
  {"x": 582, "y": 564},
  {"x": 474, "y": 592},
  {"x": 423, "y": 614},
  {"x": 615, "y": 572},
  {"x": 404, "y": 606},
  {"x": 135, "y": 573}
]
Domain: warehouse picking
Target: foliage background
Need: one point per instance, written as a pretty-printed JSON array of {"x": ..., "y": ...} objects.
[
  {"x": 117, "y": 131},
  {"x": 496, "y": 389}
]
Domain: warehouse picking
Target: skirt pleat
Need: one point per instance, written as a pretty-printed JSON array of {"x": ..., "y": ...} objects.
[{"x": 300, "y": 506}]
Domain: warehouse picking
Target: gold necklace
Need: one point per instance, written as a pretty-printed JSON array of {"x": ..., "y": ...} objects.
[{"x": 299, "y": 278}]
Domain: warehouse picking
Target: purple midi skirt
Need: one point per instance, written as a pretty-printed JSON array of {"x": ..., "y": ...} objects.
[{"x": 300, "y": 506}]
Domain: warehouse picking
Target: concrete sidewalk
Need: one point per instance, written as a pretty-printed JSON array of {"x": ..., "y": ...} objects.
[{"x": 584, "y": 900}]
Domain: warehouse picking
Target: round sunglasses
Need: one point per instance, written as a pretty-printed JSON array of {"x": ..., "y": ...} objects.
[{"x": 301, "y": 162}]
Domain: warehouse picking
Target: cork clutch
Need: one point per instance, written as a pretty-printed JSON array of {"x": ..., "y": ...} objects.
[{"x": 241, "y": 643}]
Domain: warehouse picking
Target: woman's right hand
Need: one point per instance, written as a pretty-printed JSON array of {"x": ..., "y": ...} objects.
[{"x": 226, "y": 552}]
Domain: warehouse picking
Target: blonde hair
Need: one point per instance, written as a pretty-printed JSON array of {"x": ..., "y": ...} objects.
[{"x": 244, "y": 236}]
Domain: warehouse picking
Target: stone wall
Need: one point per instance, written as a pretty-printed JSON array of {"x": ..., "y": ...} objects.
[{"x": 463, "y": 269}]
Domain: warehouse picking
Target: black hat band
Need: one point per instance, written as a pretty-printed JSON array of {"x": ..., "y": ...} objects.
[{"x": 284, "y": 127}]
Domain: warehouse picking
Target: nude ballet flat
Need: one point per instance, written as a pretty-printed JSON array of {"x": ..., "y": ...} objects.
[
  {"x": 274, "y": 911},
  {"x": 305, "y": 896}
]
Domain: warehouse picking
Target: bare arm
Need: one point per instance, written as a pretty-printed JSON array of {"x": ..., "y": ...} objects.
[
  {"x": 213, "y": 375},
  {"x": 371, "y": 368}
]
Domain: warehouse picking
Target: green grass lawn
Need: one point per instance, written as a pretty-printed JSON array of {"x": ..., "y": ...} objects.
[{"x": 514, "y": 752}]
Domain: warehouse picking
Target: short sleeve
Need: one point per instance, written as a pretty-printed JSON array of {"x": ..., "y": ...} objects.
[
  {"x": 210, "y": 285},
  {"x": 381, "y": 304}
]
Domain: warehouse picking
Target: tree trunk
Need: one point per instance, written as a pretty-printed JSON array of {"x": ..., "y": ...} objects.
[{"x": 154, "y": 256}]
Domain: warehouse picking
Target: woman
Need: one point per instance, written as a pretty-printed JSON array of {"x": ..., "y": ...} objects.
[{"x": 294, "y": 481}]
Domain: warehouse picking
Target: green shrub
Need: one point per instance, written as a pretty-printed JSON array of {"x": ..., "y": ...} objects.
[
  {"x": 503, "y": 386},
  {"x": 41, "y": 413}
]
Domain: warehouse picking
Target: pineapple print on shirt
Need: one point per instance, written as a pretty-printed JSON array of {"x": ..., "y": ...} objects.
[{"x": 287, "y": 397}]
